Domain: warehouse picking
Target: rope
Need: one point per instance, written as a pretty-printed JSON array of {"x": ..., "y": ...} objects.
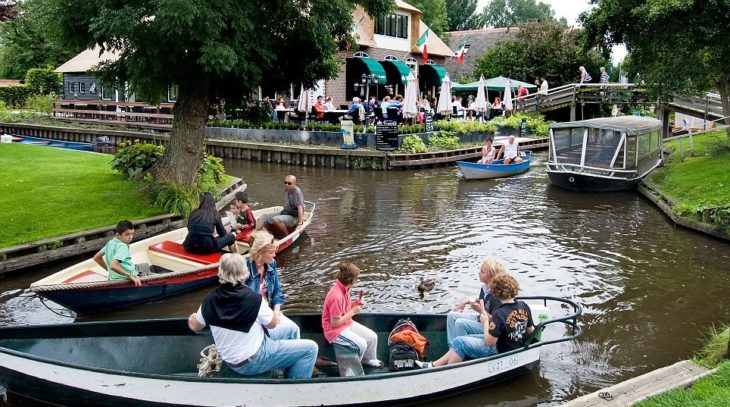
[
  {"x": 210, "y": 363},
  {"x": 60, "y": 314},
  {"x": 113, "y": 283}
]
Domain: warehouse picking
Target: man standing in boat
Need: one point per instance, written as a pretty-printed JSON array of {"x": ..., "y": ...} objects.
[
  {"x": 291, "y": 216},
  {"x": 510, "y": 151}
]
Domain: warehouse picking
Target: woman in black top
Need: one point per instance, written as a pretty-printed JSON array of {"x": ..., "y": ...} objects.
[{"x": 206, "y": 233}]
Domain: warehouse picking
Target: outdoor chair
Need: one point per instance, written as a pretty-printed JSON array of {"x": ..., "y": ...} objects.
[{"x": 394, "y": 114}]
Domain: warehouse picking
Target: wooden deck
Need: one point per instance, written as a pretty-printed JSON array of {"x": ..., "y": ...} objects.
[{"x": 127, "y": 114}]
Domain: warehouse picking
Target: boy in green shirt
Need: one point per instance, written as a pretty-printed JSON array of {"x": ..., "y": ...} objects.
[{"x": 115, "y": 258}]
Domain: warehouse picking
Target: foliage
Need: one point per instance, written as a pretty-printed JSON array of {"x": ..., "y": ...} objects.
[
  {"x": 536, "y": 123},
  {"x": 175, "y": 198},
  {"x": 713, "y": 390},
  {"x": 8, "y": 11},
  {"x": 40, "y": 103},
  {"x": 462, "y": 126},
  {"x": 443, "y": 140},
  {"x": 434, "y": 14},
  {"x": 511, "y": 13},
  {"x": 78, "y": 191},
  {"x": 14, "y": 96},
  {"x": 252, "y": 110},
  {"x": 44, "y": 81},
  {"x": 133, "y": 160},
  {"x": 411, "y": 129},
  {"x": 26, "y": 44},
  {"x": 689, "y": 60},
  {"x": 540, "y": 49},
  {"x": 463, "y": 15},
  {"x": 412, "y": 144},
  {"x": 210, "y": 174}
]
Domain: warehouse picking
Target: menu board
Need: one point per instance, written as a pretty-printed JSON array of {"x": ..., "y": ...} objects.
[
  {"x": 429, "y": 122},
  {"x": 386, "y": 136}
]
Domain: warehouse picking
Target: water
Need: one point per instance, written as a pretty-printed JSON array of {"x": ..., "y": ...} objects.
[{"x": 649, "y": 290}]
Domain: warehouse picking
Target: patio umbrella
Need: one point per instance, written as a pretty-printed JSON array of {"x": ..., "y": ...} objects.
[
  {"x": 444, "y": 104},
  {"x": 410, "y": 109},
  {"x": 480, "y": 103},
  {"x": 507, "y": 100},
  {"x": 304, "y": 105}
]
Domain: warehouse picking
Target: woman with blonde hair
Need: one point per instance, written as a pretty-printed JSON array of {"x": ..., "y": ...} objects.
[{"x": 264, "y": 280}]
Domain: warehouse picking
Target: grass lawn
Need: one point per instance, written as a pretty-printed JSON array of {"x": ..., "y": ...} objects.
[
  {"x": 49, "y": 192},
  {"x": 699, "y": 182}
]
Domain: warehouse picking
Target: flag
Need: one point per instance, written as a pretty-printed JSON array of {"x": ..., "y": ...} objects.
[
  {"x": 353, "y": 33},
  {"x": 422, "y": 44},
  {"x": 461, "y": 52}
]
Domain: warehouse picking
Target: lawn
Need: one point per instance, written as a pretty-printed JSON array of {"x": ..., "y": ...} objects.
[
  {"x": 49, "y": 192},
  {"x": 702, "y": 181}
]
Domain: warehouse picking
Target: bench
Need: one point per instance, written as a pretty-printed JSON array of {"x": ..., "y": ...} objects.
[
  {"x": 348, "y": 361},
  {"x": 175, "y": 249}
]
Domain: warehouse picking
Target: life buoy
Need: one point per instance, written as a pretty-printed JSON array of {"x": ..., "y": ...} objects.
[{"x": 571, "y": 179}]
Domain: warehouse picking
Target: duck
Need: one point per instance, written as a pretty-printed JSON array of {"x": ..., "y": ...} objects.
[{"x": 426, "y": 285}]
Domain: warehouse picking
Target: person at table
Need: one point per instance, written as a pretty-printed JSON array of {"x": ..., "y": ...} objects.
[
  {"x": 505, "y": 330},
  {"x": 206, "y": 234},
  {"x": 329, "y": 104},
  {"x": 384, "y": 105},
  {"x": 116, "y": 259},
  {"x": 370, "y": 107},
  {"x": 497, "y": 104},
  {"x": 281, "y": 109},
  {"x": 337, "y": 318},
  {"x": 488, "y": 153},
  {"x": 319, "y": 109},
  {"x": 456, "y": 107},
  {"x": 292, "y": 214},
  {"x": 356, "y": 111},
  {"x": 459, "y": 323},
  {"x": 510, "y": 151},
  {"x": 264, "y": 280},
  {"x": 238, "y": 319}
]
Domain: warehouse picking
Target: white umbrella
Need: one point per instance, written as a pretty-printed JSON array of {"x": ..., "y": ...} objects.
[
  {"x": 444, "y": 104},
  {"x": 480, "y": 103},
  {"x": 507, "y": 101},
  {"x": 304, "y": 105},
  {"x": 409, "y": 103}
]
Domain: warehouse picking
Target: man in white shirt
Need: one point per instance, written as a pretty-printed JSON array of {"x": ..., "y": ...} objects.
[{"x": 510, "y": 151}]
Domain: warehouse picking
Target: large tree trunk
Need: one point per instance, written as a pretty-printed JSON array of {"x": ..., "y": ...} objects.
[
  {"x": 724, "y": 88},
  {"x": 184, "y": 152}
]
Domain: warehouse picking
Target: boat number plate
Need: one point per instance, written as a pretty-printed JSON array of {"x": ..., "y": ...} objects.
[{"x": 502, "y": 364}]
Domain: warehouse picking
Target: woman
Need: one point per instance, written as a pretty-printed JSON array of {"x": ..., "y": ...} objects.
[
  {"x": 329, "y": 104},
  {"x": 281, "y": 109},
  {"x": 585, "y": 77},
  {"x": 458, "y": 323},
  {"x": 488, "y": 152},
  {"x": 497, "y": 103},
  {"x": 264, "y": 280},
  {"x": 237, "y": 317},
  {"x": 206, "y": 234},
  {"x": 507, "y": 329}
]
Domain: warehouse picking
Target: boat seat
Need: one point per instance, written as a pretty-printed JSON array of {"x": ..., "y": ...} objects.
[
  {"x": 348, "y": 361},
  {"x": 175, "y": 249},
  {"x": 86, "y": 276}
]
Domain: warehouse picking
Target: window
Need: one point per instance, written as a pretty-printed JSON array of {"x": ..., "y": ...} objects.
[
  {"x": 107, "y": 92},
  {"x": 394, "y": 25},
  {"x": 361, "y": 54},
  {"x": 172, "y": 93},
  {"x": 390, "y": 58},
  {"x": 82, "y": 87},
  {"x": 72, "y": 87},
  {"x": 92, "y": 87}
]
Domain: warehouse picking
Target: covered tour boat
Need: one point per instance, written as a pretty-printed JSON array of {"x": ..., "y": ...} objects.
[
  {"x": 153, "y": 363},
  {"x": 604, "y": 154}
]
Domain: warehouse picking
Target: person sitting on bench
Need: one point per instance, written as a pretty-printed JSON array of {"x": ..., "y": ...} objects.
[{"x": 291, "y": 216}]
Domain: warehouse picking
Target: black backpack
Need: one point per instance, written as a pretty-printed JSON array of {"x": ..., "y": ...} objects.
[{"x": 402, "y": 356}]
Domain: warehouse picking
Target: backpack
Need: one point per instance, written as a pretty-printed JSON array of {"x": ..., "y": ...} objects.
[{"x": 406, "y": 345}]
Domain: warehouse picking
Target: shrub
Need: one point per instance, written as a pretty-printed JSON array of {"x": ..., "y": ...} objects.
[
  {"x": 412, "y": 144},
  {"x": 14, "y": 96},
  {"x": 414, "y": 128},
  {"x": 43, "y": 81},
  {"x": 175, "y": 198},
  {"x": 443, "y": 141},
  {"x": 40, "y": 103},
  {"x": 210, "y": 173},
  {"x": 135, "y": 159}
]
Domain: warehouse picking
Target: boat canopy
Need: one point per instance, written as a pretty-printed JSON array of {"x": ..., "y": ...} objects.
[{"x": 631, "y": 125}]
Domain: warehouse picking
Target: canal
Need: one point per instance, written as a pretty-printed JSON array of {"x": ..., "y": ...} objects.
[{"x": 649, "y": 290}]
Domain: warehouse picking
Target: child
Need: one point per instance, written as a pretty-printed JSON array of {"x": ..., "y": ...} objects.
[
  {"x": 115, "y": 258},
  {"x": 245, "y": 221},
  {"x": 337, "y": 314}
]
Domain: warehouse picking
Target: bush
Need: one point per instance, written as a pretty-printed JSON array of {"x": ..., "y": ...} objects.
[
  {"x": 443, "y": 141},
  {"x": 43, "y": 81},
  {"x": 210, "y": 173},
  {"x": 135, "y": 159},
  {"x": 464, "y": 126},
  {"x": 412, "y": 144},
  {"x": 14, "y": 96},
  {"x": 411, "y": 129},
  {"x": 175, "y": 198},
  {"x": 40, "y": 103}
]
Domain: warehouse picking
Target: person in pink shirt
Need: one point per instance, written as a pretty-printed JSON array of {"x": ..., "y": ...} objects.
[{"x": 337, "y": 313}]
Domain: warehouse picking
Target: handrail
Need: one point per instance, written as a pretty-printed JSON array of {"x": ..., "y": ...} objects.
[
  {"x": 570, "y": 320},
  {"x": 592, "y": 168}
]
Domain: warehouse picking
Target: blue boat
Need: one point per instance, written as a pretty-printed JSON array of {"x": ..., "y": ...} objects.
[
  {"x": 71, "y": 145},
  {"x": 497, "y": 169}
]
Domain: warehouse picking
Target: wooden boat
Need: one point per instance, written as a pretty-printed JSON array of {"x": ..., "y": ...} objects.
[
  {"x": 85, "y": 287},
  {"x": 71, "y": 145},
  {"x": 497, "y": 169},
  {"x": 605, "y": 154},
  {"x": 153, "y": 363}
]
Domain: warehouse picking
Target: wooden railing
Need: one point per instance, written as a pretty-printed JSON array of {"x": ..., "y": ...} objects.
[{"x": 130, "y": 114}]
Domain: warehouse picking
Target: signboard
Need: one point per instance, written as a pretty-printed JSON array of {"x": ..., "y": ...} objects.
[
  {"x": 347, "y": 129},
  {"x": 386, "y": 136},
  {"x": 429, "y": 122},
  {"x": 523, "y": 127}
]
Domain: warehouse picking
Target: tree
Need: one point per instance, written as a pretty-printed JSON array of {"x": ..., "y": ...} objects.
[
  {"x": 24, "y": 43},
  {"x": 540, "y": 49},
  {"x": 511, "y": 13},
  {"x": 434, "y": 14},
  {"x": 208, "y": 49},
  {"x": 677, "y": 47},
  {"x": 463, "y": 15}
]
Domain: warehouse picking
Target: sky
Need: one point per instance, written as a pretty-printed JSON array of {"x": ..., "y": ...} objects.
[{"x": 571, "y": 9}]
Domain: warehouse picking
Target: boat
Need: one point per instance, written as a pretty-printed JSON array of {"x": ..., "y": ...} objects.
[
  {"x": 153, "y": 363},
  {"x": 497, "y": 169},
  {"x": 604, "y": 154},
  {"x": 71, "y": 145},
  {"x": 85, "y": 287}
]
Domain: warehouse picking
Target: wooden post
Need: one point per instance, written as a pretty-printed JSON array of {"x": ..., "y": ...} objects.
[{"x": 572, "y": 112}]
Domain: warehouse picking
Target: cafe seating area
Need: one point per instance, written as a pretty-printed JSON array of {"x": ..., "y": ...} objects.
[{"x": 129, "y": 114}]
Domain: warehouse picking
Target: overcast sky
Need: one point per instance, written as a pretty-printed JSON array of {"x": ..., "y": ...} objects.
[{"x": 570, "y": 9}]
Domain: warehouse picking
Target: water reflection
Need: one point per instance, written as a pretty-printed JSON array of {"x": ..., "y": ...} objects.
[{"x": 649, "y": 290}]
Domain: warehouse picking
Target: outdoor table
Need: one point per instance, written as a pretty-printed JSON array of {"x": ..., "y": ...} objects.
[{"x": 333, "y": 116}]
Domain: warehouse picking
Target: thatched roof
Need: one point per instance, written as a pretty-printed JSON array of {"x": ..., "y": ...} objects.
[
  {"x": 479, "y": 43},
  {"x": 86, "y": 60}
]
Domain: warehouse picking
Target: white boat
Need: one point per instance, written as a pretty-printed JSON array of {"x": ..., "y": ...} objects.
[{"x": 85, "y": 287}]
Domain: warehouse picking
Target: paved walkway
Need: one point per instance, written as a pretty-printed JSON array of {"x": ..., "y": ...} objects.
[{"x": 680, "y": 374}]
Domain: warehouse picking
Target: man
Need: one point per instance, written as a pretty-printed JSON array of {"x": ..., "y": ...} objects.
[
  {"x": 355, "y": 112},
  {"x": 115, "y": 258},
  {"x": 370, "y": 107},
  {"x": 509, "y": 151},
  {"x": 291, "y": 216},
  {"x": 604, "y": 77},
  {"x": 543, "y": 85},
  {"x": 522, "y": 93},
  {"x": 319, "y": 109}
]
